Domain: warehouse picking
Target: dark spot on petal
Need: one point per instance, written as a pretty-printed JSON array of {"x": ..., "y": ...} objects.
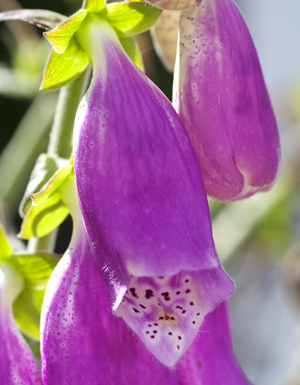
[
  {"x": 149, "y": 293},
  {"x": 170, "y": 333},
  {"x": 177, "y": 292},
  {"x": 179, "y": 337},
  {"x": 136, "y": 310},
  {"x": 198, "y": 313},
  {"x": 152, "y": 336},
  {"x": 132, "y": 290},
  {"x": 156, "y": 324},
  {"x": 183, "y": 311},
  {"x": 172, "y": 318},
  {"x": 154, "y": 331},
  {"x": 178, "y": 347},
  {"x": 199, "y": 363},
  {"x": 161, "y": 317},
  {"x": 186, "y": 281},
  {"x": 191, "y": 303},
  {"x": 149, "y": 325},
  {"x": 160, "y": 277},
  {"x": 188, "y": 291},
  {"x": 147, "y": 332},
  {"x": 142, "y": 306}
]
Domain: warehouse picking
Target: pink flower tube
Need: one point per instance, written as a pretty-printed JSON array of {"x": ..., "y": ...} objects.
[{"x": 222, "y": 101}]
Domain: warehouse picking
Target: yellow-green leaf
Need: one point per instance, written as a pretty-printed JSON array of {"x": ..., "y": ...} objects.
[
  {"x": 64, "y": 67},
  {"x": 94, "y": 5},
  {"x": 42, "y": 219},
  {"x": 130, "y": 19},
  {"x": 60, "y": 36},
  {"x": 5, "y": 249}
]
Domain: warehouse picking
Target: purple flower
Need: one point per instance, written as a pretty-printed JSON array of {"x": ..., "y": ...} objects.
[
  {"x": 17, "y": 364},
  {"x": 82, "y": 342},
  {"x": 143, "y": 202},
  {"x": 221, "y": 98}
]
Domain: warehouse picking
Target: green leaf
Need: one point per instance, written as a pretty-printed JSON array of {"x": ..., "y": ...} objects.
[
  {"x": 42, "y": 219},
  {"x": 132, "y": 51},
  {"x": 36, "y": 270},
  {"x": 5, "y": 249},
  {"x": 47, "y": 211},
  {"x": 94, "y": 5},
  {"x": 60, "y": 36},
  {"x": 62, "y": 68},
  {"x": 39, "y": 17},
  {"x": 129, "y": 19},
  {"x": 45, "y": 167}
]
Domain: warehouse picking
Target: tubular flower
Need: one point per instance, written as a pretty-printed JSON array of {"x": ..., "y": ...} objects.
[
  {"x": 83, "y": 342},
  {"x": 143, "y": 202},
  {"x": 221, "y": 98},
  {"x": 17, "y": 364},
  {"x": 210, "y": 360}
]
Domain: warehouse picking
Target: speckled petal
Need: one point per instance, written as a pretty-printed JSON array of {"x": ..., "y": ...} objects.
[
  {"x": 82, "y": 342},
  {"x": 140, "y": 188},
  {"x": 210, "y": 360},
  {"x": 164, "y": 34},
  {"x": 17, "y": 363},
  {"x": 221, "y": 98}
]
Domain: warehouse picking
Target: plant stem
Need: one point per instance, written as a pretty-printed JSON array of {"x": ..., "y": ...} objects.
[{"x": 61, "y": 134}]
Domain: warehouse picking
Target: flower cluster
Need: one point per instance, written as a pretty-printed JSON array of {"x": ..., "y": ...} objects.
[{"x": 142, "y": 255}]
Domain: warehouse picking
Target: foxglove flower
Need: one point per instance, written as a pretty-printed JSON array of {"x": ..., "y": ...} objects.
[
  {"x": 83, "y": 342},
  {"x": 17, "y": 364},
  {"x": 221, "y": 98},
  {"x": 143, "y": 201}
]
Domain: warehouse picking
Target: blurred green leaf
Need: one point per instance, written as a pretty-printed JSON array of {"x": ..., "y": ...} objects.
[
  {"x": 131, "y": 49},
  {"x": 5, "y": 249},
  {"x": 60, "y": 36},
  {"x": 36, "y": 270},
  {"x": 130, "y": 19},
  {"x": 94, "y": 5},
  {"x": 39, "y": 17},
  {"x": 62, "y": 68}
]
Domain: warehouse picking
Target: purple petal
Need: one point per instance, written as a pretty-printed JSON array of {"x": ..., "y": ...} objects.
[
  {"x": 221, "y": 98},
  {"x": 174, "y": 4},
  {"x": 210, "y": 360},
  {"x": 17, "y": 363},
  {"x": 140, "y": 188},
  {"x": 82, "y": 342}
]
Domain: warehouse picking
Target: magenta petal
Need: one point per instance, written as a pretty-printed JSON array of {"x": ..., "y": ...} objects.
[
  {"x": 221, "y": 98},
  {"x": 82, "y": 342},
  {"x": 210, "y": 360},
  {"x": 17, "y": 363},
  {"x": 139, "y": 184}
]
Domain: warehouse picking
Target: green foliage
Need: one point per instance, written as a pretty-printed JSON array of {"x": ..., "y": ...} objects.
[
  {"x": 61, "y": 36},
  {"x": 130, "y": 19},
  {"x": 5, "y": 249},
  {"x": 45, "y": 167},
  {"x": 47, "y": 211},
  {"x": 36, "y": 270},
  {"x": 130, "y": 48},
  {"x": 94, "y": 5},
  {"x": 62, "y": 68}
]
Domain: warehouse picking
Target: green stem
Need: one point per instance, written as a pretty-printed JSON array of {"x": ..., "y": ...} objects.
[{"x": 61, "y": 134}]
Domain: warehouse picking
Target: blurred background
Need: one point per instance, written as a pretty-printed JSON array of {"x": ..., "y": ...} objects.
[{"x": 257, "y": 239}]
